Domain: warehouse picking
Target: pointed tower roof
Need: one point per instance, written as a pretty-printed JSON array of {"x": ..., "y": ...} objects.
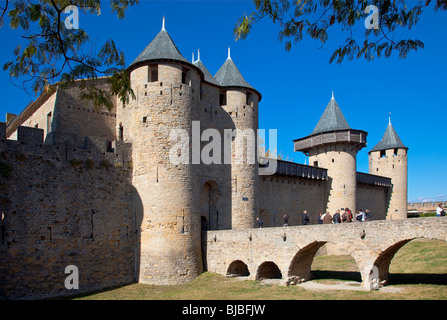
[
  {"x": 331, "y": 128},
  {"x": 390, "y": 140},
  {"x": 331, "y": 119},
  {"x": 230, "y": 76},
  {"x": 208, "y": 76},
  {"x": 162, "y": 47}
]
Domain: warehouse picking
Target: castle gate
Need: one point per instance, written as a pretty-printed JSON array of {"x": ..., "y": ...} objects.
[{"x": 288, "y": 252}]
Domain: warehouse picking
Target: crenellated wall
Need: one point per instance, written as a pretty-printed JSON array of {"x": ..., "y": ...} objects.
[{"x": 64, "y": 206}]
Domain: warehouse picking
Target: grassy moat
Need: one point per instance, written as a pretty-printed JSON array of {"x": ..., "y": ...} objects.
[{"x": 418, "y": 271}]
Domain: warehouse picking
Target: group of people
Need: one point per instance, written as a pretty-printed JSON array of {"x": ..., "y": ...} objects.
[
  {"x": 327, "y": 218},
  {"x": 346, "y": 217}
]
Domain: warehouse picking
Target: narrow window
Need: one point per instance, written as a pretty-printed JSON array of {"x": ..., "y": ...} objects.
[
  {"x": 315, "y": 163},
  {"x": 395, "y": 152},
  {"x": 2, "y": 226},
  {"x": 183, "y": 77},
  {"x": 153, "y": 73},
  {"x": 121, "y": 132},
  {"x": 144, "y": 119},
  {"x": 222, "y": 99},
  {"x": 49, "y": 119},
  {"x": 382, "y": 153}
]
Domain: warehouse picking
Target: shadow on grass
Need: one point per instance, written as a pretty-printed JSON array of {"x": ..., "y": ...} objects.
[
  {"x": 418, "y": 278},
  {"x": 393, "y": 278},
  {"x": 339, "y": 275}
]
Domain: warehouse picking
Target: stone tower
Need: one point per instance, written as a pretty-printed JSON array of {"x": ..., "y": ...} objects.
[
  {"x": 167, "y": 89},
  {"x": 334, "y": 145},
  {"x": 389, "y": 158},
  {"x": 240, "y": 101}
]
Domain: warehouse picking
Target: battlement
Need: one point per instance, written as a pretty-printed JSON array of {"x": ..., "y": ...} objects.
[
  {"x": 372, "y": 179},
  {"x": 287, "y": 168},
  {"x": 336, "y": 136},
  {"x": 30, "y": 141}
]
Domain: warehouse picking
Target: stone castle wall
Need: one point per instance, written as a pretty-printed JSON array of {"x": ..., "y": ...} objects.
[{"x": 63, "y": 206}]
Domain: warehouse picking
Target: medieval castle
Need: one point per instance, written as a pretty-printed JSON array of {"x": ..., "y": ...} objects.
[{"x": 96, "y": 188}]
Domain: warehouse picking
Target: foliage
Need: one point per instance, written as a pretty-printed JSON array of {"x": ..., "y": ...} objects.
[
  {"x": 315, "y": 17},
  {"x": 56, "y": 51}
]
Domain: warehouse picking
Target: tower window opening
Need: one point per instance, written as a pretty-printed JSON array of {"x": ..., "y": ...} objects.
[
  {"x": 153, "y": 72},
  {"x": 222, "y": 99},
  {"x": 395, "y": 152},
  {"x": 144, "y": 119},
  {"x": 382, "y": 153},
  {"x": 315, "y": 163},
  {"x": 184, "y": 77}
]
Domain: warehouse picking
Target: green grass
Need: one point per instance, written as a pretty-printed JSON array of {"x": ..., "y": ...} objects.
[{"x": 419, "y": 268}]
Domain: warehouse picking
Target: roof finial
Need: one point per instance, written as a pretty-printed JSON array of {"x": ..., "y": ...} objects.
[
  {"x": 332, "y": 94},
  {"x": 163, "y": 25},
  {"x": 229, "y": 56},
  {"x": 193, "y": 57},
  {"x": 389, "y": 118},
  {"x": 198, "y": 55}
]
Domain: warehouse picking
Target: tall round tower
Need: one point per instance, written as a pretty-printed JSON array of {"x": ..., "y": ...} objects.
[
  {"x": 240, "y": 101},
  {"x": 167, "y": 89},
  {"x": 389, "y": 158},
  {"x": 334, "y": 145}
]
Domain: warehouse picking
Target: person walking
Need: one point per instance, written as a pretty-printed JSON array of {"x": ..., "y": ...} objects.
[
  {"x": 368, "y": 215},
  {"x": 305, "y": 218},
  {"x": 360, "y": 216},
  {"x": 440, "y": 211},
  {"x": 259, "y": 223},
  {"x": 327, "y": 218},
  {"x": 285, "y": 220},
  {"x": 346, "y": 217},
  {"x": 336, "y": 218},
  {"x": 320, "y": 218}
]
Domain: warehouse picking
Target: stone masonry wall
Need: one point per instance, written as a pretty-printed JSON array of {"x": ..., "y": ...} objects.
[{"x": 59, "y": 211}]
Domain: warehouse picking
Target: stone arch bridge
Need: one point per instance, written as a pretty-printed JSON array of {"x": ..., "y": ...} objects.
[{"x": 288, "y": 252}]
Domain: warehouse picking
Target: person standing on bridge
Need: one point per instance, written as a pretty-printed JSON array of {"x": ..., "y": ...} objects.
[
  {"x": 440, "y": 211},
  {"x": 285, "y": 220},
  {"x": 346, "y": 216},
  {"x": 259, "y": 223},
  {"x": 305, "y": 217},
  {"x": 327, "y": 218},
  {"x": 336, "y": 218}
]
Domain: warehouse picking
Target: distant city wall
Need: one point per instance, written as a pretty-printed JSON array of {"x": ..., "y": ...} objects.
[{"x": 426, "y": 206}]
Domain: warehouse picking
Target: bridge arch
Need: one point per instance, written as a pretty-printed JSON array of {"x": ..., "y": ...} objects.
[
  {"x": 238, "y": 268},
  {"x": 268, "y": 270},
  {"x": 379, "y": 274},
  {"x": 302, "y": 261}
]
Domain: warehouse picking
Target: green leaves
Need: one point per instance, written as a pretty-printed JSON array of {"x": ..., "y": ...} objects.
[
  {"x": 314, "y": 18},
  {"x": 56, "y": 51}
]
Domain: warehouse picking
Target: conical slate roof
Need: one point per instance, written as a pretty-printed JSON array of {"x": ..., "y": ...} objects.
[
  {"x": 390, "y": 140},
  {"x": 162, "y": 47},
  {"x": 230, "y": 76},
  {"x": 331, "y": 119},
  {"x": 208, "y": 76}
]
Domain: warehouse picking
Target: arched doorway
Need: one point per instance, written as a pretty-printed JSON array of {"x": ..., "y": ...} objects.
[
  {"x": 209, "y": 214},
  {"x": 209, "y": 199}
]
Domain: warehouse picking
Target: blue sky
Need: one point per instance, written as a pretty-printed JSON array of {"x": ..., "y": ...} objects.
[{"x": 296, "y": 86}]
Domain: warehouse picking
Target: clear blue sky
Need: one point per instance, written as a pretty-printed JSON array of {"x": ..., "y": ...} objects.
[{"x": 296, "y": 86}]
